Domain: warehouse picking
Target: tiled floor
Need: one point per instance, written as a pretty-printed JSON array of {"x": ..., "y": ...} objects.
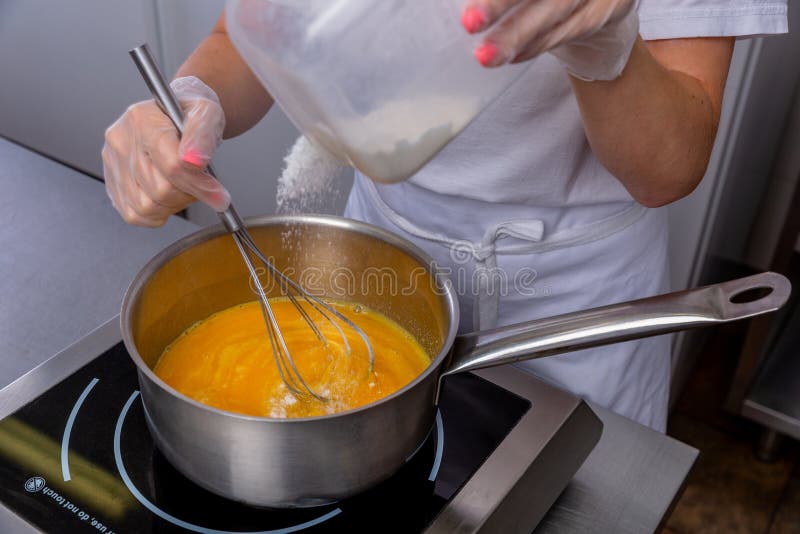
[{"x": 729, "y": 491}]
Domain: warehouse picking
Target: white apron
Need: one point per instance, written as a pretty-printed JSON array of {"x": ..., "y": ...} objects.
[{"x": 508, "y": 266}]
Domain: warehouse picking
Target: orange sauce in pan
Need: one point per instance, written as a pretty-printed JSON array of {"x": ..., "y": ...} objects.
[{"x": 225, "y": 361}]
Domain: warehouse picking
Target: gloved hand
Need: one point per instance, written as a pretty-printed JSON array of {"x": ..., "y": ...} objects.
[
  {"x": 150, "y": 173},
  {"x": 592, "y": 38}
]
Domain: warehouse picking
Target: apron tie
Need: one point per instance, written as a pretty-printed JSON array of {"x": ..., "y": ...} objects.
[{"x": 486, "y": 276}]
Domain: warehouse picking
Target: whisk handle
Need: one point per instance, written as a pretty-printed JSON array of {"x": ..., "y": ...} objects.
[
  {"x": 166, "y": 100},
  {"x": 162, "y": 93}
]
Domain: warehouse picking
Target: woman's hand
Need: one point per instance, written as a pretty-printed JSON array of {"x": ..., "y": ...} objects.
[
  {"x": 592, "y": 38},
  {"x": 149, "y": 172}
]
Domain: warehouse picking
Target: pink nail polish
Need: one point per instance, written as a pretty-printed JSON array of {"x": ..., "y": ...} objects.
[
  {"x": 473, "y": 19},
  {"x": 193, "y": 157},
  {"x": 221, "y": 200},
  {"x": 486, "y": 54}
]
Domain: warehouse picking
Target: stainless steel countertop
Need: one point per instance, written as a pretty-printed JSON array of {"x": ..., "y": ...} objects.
[
  {"x": 627, "y": 484},
  {"x": 67, "y": 258}
]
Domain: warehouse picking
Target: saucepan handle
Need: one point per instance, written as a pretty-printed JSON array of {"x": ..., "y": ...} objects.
[{"x": 715, "y": 304}]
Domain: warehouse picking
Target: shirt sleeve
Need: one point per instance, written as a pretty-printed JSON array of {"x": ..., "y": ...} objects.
[{"x": 674, "y": 19}]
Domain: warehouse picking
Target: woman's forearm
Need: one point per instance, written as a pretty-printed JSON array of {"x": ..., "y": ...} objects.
[
  {"x": 217, "y": 62},
  {"x": 654, "y": 127}
]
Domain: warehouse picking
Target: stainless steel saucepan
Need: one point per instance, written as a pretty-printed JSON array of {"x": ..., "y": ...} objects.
[{"x": 311, "y": 461}]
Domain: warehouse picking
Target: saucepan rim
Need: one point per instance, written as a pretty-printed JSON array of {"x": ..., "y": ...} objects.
[{"x": 208, "y": 233}]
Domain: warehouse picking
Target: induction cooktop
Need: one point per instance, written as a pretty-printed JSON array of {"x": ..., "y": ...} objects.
[{"x": 76, "y": 456}]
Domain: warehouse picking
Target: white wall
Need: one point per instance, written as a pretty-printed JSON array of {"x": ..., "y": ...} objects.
[{"x": 65, "y": 74}]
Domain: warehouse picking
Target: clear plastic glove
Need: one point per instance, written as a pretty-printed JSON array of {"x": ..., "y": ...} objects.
[
  {"x": 592, "y": 38},
  {"x": 149, "y": 172}
]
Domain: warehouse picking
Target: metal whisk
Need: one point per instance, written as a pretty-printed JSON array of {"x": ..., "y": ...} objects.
[{"x": 287, "y": 369}]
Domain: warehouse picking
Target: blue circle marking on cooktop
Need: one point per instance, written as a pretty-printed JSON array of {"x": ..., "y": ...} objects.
[
  {"x": 437, "y": 462},
  {"x": 68, "y": 430},
  {"x": 179, "y": 522}
]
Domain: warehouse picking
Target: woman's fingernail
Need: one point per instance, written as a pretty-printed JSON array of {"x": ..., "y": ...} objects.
[
  {"x": 194, "y": 157},
  {"x": 487, "y": 54},
  {"x": 473, "y": 19},
  {"x": 220, "y": 200}
]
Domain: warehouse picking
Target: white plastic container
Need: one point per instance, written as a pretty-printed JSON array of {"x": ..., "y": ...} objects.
[{"x": 381, "y": 84}]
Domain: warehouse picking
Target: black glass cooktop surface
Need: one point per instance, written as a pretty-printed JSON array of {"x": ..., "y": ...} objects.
[{"x": 79, "y": 458}]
